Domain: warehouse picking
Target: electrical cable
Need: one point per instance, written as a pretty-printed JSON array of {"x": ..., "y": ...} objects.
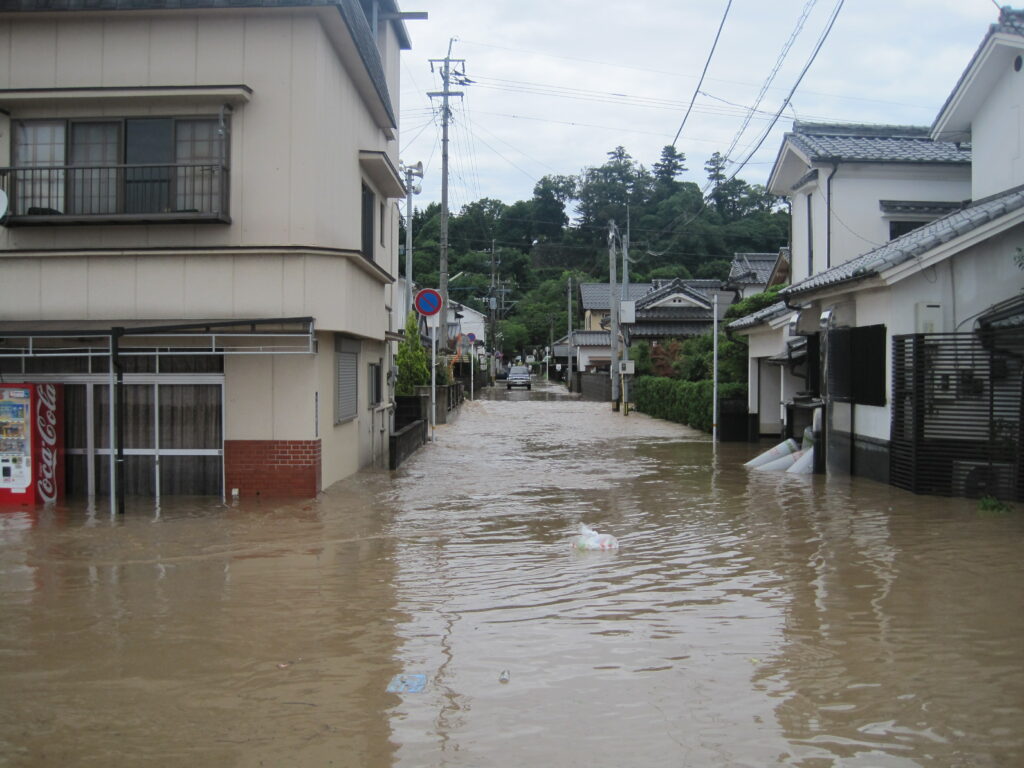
[
  {"x": 771, "y": 75},
  {"x": 702, "y": 74},
  {"x": 789, "y": 96}
]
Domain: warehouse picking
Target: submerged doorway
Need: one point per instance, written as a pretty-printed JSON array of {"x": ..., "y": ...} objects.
[{"x": 174, "y": 436}]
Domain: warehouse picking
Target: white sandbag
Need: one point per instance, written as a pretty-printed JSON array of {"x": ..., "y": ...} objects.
[
  {"x": 784, "y": 448},
  {"x": 804, "y": 465},
  {"x": 808, "y": 441},
  {"x": 781, "y": 463}
]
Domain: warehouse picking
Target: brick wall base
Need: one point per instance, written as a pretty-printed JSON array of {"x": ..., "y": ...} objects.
[{"x": 272, "y": 467}]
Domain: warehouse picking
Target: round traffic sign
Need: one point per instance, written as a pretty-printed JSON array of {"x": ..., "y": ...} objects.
[
  {"x": 471, "y": 336},
  {"x": 427, "y": 302}
]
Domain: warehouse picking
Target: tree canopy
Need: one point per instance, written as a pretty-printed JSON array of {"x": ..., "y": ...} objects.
[{"x": 676, "y": 230}]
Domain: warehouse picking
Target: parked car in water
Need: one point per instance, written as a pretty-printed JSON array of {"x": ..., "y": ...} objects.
[{"x": 518, "y": 376}]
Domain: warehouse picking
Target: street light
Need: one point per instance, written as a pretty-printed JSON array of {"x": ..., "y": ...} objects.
[{"x": 411, "y": 189}]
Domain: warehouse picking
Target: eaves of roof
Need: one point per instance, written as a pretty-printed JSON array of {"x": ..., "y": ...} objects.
[
  {"x": 1009, "y": 29},
  {"x": 914, "y": 244},
  {"x": 761, "y": 316}
]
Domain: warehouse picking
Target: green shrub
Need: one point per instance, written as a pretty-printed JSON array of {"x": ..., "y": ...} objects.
[{"x": 684, "y": 402}]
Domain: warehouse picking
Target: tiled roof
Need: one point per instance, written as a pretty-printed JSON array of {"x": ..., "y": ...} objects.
[
  {"x": 751, "y": 268},
  {"x": 761, "y": 316},
  {"x": 669, "y": 330},
  {"x": 674, "y": 313},
  {"x": 670, "y": 288},
  {"x": 915, "y": 243},
  {"x": 591, "y": 338},
  {"x": 874, "y": 144},
  {"x": 350, "y": 11},
  {"x": 595, "y": 295}
]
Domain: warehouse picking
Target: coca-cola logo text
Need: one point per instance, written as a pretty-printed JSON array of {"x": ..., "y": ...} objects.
[{"x": 46, "y": 423}]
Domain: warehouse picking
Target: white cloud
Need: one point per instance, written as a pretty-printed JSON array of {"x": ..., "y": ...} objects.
[{"x": 548, "y": 73}]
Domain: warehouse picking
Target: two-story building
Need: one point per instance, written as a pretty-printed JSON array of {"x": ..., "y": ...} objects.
[
  {"x": 919, "y": 337},
  {"x": 199, "y": 228},
  {"x": 850, "y": 187}
]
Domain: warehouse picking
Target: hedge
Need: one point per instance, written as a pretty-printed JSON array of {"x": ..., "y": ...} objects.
[{"x": 685, "y": 402}]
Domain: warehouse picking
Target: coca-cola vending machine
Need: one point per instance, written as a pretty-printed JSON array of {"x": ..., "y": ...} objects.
[{"x": 31, "y": 443}]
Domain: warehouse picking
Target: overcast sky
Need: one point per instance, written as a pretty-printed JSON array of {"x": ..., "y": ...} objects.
[{"x": 560, "y": 83}]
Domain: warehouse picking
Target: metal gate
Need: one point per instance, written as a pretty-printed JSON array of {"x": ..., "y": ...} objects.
[{"x": 957, "y": 409}]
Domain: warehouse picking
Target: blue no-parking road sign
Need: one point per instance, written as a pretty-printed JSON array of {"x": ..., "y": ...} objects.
[{"x": 427, "y": 302}]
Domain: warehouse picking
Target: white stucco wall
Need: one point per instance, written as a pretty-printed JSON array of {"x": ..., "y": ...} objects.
[
  {"x": 857, "y": 223},
  {"x": 997, "y": 136},
  {"x": 295, "y": 177}
]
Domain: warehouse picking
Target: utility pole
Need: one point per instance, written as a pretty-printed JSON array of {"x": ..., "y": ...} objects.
[
  {"x": 568, "y": 366},
  {"x": 625, "y": 297},
  {"x": 446, "y": 115},
  {"x": 492, "y": 306},
  {"x": 613, "y": 234},
  {"x": 411, "y": 189}
]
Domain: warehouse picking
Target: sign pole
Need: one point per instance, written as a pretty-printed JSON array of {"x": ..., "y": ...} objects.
[
  {"x": 433, "y": 375},
  {"x": 428, "y": 303}
]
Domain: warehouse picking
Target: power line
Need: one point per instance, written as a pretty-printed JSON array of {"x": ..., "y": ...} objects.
[
  {"x": 785, "y": 102},
  {"x": 771, "y": 75},
  {"x": 706, "y": 64}
]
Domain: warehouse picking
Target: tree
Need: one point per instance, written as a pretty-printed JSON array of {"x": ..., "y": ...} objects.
[
  {"x": 669, "y": 166},
  {"x": 413, "y": 368}
]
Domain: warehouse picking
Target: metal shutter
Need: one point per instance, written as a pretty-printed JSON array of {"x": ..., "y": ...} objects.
[{"x": 346, "y": 386}]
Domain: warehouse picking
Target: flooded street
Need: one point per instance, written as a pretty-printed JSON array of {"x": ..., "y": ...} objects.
[{"x": 748, "y": 619}]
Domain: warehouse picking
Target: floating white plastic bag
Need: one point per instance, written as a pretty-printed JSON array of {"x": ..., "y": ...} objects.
[{"x": 591, "y": 539}]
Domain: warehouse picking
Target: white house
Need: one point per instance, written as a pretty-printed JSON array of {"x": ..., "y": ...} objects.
[
  {"x": 850, "y": 187},
  {"x": 200, "y": 202},
  {"x": 919, "y": 337}
]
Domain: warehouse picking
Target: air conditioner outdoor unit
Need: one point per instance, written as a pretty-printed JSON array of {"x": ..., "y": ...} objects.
[{"x": 974, "y": 479}]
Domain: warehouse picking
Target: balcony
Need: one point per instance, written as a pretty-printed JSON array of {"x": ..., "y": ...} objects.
[{"x": 178, "y": 193}]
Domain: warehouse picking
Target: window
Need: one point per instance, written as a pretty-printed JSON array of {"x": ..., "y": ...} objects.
[
  {"x": 346, "y": 379},
  {"x": 383, "y": 219},
  {"x": 856, "y": 365},
  {"x": 368, "y": 213},
  {"x": 900, "y": 228},
  {"x": 376, "y": 383},
  {"x": 163, "y": 165}
]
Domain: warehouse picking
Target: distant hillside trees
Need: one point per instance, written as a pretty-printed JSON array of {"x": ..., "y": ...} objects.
[{"x": 676, "y": 230}]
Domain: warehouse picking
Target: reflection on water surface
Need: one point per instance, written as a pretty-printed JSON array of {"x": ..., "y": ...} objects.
[{"x": 747, "y": 619}]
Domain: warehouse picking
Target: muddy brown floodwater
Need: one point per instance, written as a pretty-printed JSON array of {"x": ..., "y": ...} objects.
[{"x": 748, "y": 619}]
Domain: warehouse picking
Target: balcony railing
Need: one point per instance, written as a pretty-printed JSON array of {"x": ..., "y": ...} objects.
[{"x": 94, "y": 194}]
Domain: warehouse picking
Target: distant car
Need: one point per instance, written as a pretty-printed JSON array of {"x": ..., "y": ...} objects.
[{"x": 518, "y": 376}]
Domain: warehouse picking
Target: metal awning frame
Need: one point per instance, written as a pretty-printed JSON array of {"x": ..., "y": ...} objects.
[{"x": 38, "y": 343}]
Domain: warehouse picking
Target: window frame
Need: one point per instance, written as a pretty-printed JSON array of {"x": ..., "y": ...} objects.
[
  {"x": 218, "y": 193},
  {"x": 375, "y": 383}
]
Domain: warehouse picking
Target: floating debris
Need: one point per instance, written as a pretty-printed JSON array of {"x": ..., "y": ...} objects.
[
  {"x": 504, "y": 676},
  {"x": 407, "y": 684}
]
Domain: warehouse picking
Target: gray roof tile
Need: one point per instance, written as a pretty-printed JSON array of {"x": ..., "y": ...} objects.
[
  {"x": 751, "y": 268},
  {"x": 761, "y": 316},
  {"x": 914, "y": 243},
  {"x": 595, "y": 295},
  {"x": 874, "y": 144}
]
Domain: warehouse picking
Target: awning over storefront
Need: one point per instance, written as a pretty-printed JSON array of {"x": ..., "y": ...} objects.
[{"x": 257, "y": 336}]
